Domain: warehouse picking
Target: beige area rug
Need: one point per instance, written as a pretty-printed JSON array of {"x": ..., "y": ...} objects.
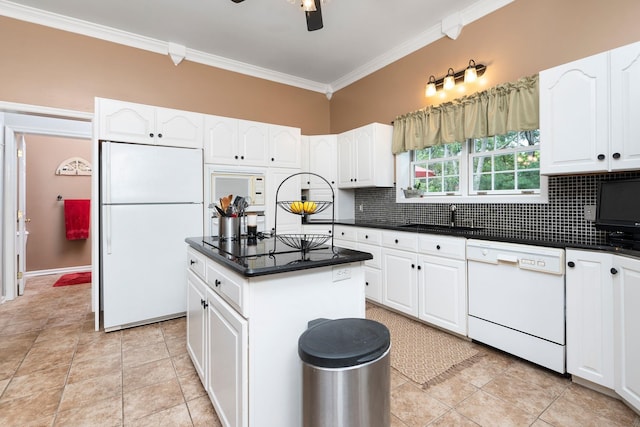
[{"x": 423, "y": 354}]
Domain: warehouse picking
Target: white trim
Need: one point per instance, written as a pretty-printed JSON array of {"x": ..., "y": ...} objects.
[
  {"x": 65, "y": 270},
  {"x": 61, "y": 22},
  {"x": 41, "y": 110}
]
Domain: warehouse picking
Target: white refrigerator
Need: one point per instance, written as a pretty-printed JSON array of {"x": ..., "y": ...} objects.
[{"x": 150, "y": 201}]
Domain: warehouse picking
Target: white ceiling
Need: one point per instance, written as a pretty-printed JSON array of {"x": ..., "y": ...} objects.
[{"x": 266, "y": 38}]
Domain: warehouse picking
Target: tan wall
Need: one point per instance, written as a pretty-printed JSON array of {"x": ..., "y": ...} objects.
[
  {"x": 520, "y": 39},
  {"x": 44, "y": 66},
  {"x": 47, "y": 246}
]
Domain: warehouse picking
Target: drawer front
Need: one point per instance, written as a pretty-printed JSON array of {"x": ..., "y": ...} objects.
[
  {"x": 317, "y": 229},
  {"x": 400, "y": 240},
  {"x": 376, "y": 251},
  {"x": 230, "y": 288},
  {"x": 445, "y": 246},
  {"x": 369, "y": 235},
  {"x": 344, "y": 232},
  {"x": 196, "y": 262}
]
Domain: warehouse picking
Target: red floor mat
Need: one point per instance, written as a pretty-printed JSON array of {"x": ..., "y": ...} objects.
[{"x": 73, "y": 279}]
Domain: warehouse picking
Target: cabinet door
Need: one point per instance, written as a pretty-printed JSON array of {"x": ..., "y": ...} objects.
[
  {"x": 363, "y": 154},
  {"x": 373, "y": 284},
  {"x": 442, "y": 287},
  {"x": 126, "y": 122},
  {"x": 253, "y": 140},
  {"x": 625, "y": 107},
  {"x": 323, "y": 160},
  {"x": 590, "y": 316},
  {"x": 196, "y": 323},
  {"x": 346, "y": 171},
  {"x": 284, "y": 147},
  {"x": 304, "y": 162},
  {"x": 400, "y": 281},
  {"x": 228, "y": 362},
  {"x": 627, "y": 330},
  {"x": 574, "y": 111},
  {"x": 221, "y": 140},
  {"x": 175, "y": 128},
  {"x": 290, "y": 190}
]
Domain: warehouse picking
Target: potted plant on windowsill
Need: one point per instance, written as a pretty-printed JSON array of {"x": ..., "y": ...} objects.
[{"x": 413, "y": 192}]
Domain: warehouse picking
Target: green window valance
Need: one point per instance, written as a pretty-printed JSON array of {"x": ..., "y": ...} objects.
[{"x": 501, "y": 109}]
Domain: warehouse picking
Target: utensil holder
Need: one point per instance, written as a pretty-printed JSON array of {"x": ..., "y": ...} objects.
[{"x": 229, "y": 228}]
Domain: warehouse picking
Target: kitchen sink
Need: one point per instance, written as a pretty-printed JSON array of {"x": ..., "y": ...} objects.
[{"x": 436, "y": 227}]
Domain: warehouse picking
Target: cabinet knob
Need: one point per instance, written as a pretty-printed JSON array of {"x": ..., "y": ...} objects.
[
  {"x": 205, "y": 305},
  {"x": 438, "y": 247},
  {"x": 333, "y": 182},
  {"x": 308, "y": 182},
  {"x": 419, "y": 267},
  {"x": 601, "y": 156},
  {"x": 413, "y": 266},
  {"x": 273, "y": 160},
  {"x": 366, "y": 236},
  {"x": 202, "y": 302},
  {"x": 218, "y": 282},
  {"x": 613, "y": 271},
  {"x": 241, "y": 157},
  {"x": 150, "y": 135},
  {"x": 571, "y": 264},
  {"x": 616, "y": 156},
  {"x": 351, "y": 180},
  {"x": 342, "y": 233},
  {"x": 192, "y": 262},
  {"x": 355, "y": 179},
  {"x": 366, "y": 283},
  {"x": 235, "y": 157},
  {"x": 396, "y": 241},
  {"x": 159, "y": 135}
]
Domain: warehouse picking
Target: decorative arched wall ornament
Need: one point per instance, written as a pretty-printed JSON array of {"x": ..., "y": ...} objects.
[{"x": 74, "y": 166}]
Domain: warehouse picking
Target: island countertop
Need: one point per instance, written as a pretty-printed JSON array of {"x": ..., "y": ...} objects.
[{"x": 270, "y": 256}]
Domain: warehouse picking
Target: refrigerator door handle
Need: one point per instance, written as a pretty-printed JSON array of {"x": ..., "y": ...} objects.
[
  {"x": 106, "y": 181},
  {"x": 107, "y": 228}
]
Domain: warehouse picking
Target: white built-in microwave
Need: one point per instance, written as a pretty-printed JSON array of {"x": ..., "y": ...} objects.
[{"x": 248, "y": 185}]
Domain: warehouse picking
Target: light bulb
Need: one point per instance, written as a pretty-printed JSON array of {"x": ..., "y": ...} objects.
[
  {"x": 470, "y": 74},
  {"x": 431, "y": 87},
  {"x": 449, "y": 80},
  {"x": 309, "y": 5}
]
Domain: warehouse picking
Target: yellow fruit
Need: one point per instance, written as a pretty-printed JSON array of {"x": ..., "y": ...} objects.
[
  {"x": 309, "y": 207},
  {"x": 296, "y": 207}
]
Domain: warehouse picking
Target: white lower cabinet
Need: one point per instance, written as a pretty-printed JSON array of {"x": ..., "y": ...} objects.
[
  {"x": 400, "y": 280},
  {"x": 589, "y": 314},
  {"x": 626, "y": 300},
  {"x": 228, "y": 351},
  {"x": 443, "y": 293},
  {"x": 196, "y": 323},
  {"x": 603, "y": 337}
]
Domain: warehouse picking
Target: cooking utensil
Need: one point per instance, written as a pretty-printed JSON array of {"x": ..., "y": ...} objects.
[{"x": 220, "y": 211}]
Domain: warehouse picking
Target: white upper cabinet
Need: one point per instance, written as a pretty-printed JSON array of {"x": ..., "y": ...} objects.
[
  {"x": 235, "y": 142},
  {"x": 625, "y": 107},
  {"x": 285, "y": 150},
  {"x": 144, "y": 124},
  {"x": 587, "y": 114},
  {"x": 365, "y": 158},
  {"x": 323, "y": 161}
]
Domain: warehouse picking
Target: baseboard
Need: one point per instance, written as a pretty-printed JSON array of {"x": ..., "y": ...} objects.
[{"x": 63, "y": 270}]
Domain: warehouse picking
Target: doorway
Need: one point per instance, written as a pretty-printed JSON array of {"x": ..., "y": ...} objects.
[{"x": 41, "y": 122}]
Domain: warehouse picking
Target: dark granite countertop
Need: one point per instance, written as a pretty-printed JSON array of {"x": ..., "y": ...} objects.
[
  {"x": 259, "y": 258},
  {"x": 536, "y": 238}
]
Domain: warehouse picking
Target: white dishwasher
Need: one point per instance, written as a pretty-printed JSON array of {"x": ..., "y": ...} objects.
[{"x": 517, "y": 300}]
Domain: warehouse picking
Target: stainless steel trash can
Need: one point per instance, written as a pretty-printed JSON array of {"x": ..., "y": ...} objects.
[{"x": 346, "y": 373}]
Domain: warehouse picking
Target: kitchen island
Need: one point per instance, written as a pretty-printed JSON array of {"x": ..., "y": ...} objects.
[{"x": 248, "y": 303}]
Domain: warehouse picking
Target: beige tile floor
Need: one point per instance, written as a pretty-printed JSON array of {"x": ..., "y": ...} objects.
[{"x": 56, "y": 370}]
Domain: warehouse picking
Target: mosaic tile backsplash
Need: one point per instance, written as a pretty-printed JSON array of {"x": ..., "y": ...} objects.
[{"x": 562, "y": 219}]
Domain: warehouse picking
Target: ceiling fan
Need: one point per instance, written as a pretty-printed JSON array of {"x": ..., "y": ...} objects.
[{"x": 312, "y": 11}]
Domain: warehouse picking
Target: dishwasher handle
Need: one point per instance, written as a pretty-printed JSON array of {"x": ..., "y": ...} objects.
[{"x": 507, "y": 258}]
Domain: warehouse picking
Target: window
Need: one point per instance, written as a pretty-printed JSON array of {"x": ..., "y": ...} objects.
[{"x": 501, "y": 165}]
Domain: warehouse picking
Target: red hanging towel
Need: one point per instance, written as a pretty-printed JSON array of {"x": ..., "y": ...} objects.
[{"x": 76, "y": 218}]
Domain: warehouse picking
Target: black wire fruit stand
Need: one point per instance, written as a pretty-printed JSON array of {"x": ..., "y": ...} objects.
[{"x": 303, "y": 242}]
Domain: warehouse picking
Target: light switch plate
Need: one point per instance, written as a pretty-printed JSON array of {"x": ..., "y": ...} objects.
[
  {"x": 341, "y": 273},
  {"x": 590, "y": 212}
]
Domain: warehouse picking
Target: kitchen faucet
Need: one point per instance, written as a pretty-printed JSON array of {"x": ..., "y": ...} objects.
[{"x": 452, "y": 219}]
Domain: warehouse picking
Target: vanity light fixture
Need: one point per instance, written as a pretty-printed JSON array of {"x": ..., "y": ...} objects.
[{"x": 448, "y": 82}]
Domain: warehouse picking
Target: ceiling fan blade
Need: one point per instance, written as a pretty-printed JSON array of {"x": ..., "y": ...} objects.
[{"x": 314, "y": 19}]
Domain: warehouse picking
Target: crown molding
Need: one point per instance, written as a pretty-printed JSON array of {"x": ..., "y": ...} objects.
[
  {"x": 65, "y": 23},
  {"x": 470, "y": 14}
]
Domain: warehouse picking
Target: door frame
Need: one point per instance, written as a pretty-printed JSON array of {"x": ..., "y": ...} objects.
[{"x": 41, "y": 120}]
